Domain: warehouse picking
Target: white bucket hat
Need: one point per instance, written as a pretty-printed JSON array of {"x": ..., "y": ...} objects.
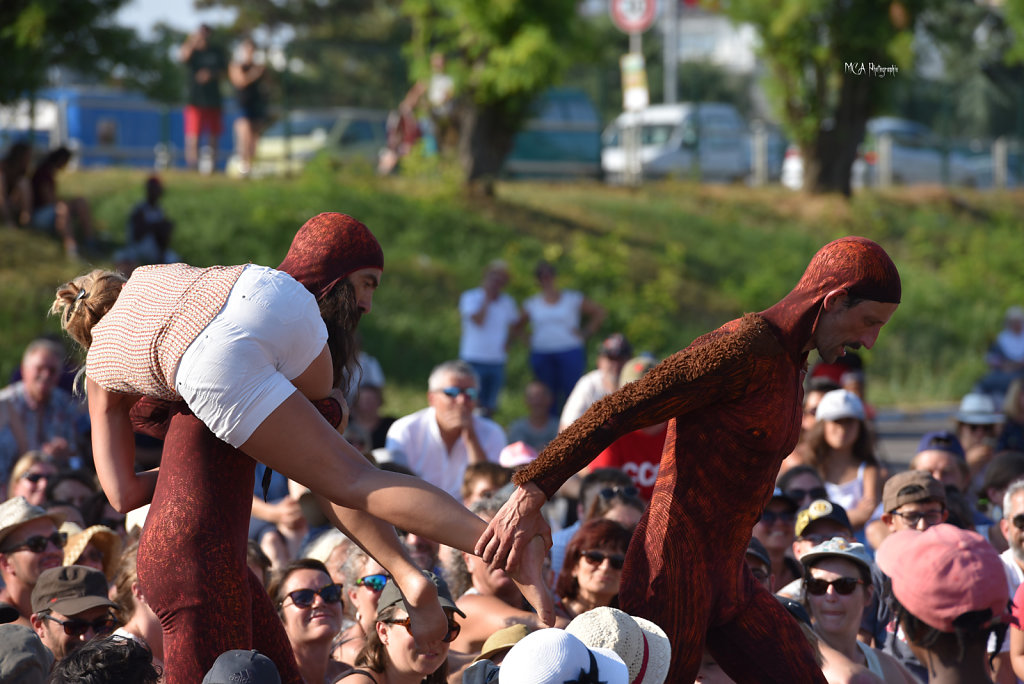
[
  {"x": 978, "y": 409},
  {"x": 839, "y": 404},
  {"x": 641, "y": 644},
  {"x": 553, "y": 656}
]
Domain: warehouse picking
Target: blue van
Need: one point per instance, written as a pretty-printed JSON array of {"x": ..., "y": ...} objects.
[{"x": 560, "y": 138}]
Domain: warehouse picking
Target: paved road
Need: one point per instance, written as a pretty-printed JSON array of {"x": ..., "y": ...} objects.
[{"x": 900, "y": 431}]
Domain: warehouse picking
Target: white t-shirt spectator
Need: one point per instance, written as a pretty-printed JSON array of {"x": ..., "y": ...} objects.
[
  {"x": 486, "y": 343},
  {"x": 588, "y": 389},
  {"x": 555, "y": 327}
]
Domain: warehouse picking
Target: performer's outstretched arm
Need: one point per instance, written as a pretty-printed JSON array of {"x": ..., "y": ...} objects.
[{"x": 113, "y": 446}]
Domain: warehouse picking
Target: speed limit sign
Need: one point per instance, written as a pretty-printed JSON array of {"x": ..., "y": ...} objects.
[{"x": 633, "y": 16}]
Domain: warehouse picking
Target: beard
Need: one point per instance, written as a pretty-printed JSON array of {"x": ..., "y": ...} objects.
[{"x": 341, "y": 316}]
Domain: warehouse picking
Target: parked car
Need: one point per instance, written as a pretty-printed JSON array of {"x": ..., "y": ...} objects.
[
  {"x": 561, "y": 137},
  {"x": 917, "y": 157},
  {"x": 344, "y": 133},
  {"x": 678, "y": 139}
]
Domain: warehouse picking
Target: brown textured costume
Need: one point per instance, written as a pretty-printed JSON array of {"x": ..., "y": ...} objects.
[{"x": 733, "y": 402}]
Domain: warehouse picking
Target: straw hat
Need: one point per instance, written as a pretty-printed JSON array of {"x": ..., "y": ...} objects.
[
  {"x": 102, "y": 537},
  {"x": 641, "y": 644},
  {"x": 17, "y": 511}
]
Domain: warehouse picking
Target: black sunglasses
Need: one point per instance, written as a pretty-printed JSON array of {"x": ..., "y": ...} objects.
[
  {"x": 303, "y": 598},
  {"x": 453, "y": 392},
  {"x": 38, "y": 543},
  {"x": 453, "y": 628},
  {"x": 373, "y": 582},
  {"x": 624, "y": 492},
  {"x": 1018, "y": 521},
  {"x": 771, "y": 517},
  {"x": 801, "y": 494},
  {"x": 76, "y": 628},
  {"x": 843, "y": 585},
  {"x": 36, "y": 477},
  {"x": 914, "y": 517},
  {"x": 595, "y": 558}
]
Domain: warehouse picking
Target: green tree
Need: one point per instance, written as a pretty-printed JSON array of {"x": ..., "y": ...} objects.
[
  {"x": 501, "y": 54},
  {"x": 822, "y": 103}
]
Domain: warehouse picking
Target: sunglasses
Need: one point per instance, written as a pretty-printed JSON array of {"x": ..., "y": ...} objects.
[
  {"x": 374, "y": 583},
  {"x": 453, "y": 628},
  {"x": 77, "y": 628},
  {"x": 303, "y": 598},
  {"x": 771, "y": 517},
  {"x": 1018, "y": 521},
  {"x": 595, "y": 558},
  {"x": 843, "y": 585},
  {"x": 38, "y": 543},
  {"x": 612, "y": 492},
  {"x": 801, "y": 494},
  {"x": 914, "y": 517},
  {"x": 36, "y": 477},
  {"x": 453, "y": 392}
]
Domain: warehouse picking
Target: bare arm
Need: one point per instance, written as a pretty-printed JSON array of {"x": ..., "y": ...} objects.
[
  {"x": 595, "y": 314},
  {"x": 861, "y": 513},
  {"x": 113, "y": 446}
]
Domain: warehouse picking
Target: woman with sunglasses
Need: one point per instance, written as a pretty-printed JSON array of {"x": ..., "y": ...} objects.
[
  {"x": 593, "y": 567},
  {"x": 309, "y": 604},
  {"x": 364, "y": 580},
  {"x": 30, "y": 475},
  {"x": 837, "y": 588},
  {"x": 391, "y": 656}
]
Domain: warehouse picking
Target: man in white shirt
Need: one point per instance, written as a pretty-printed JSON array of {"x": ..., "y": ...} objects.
[
  {"x": 488, "y": 314},
  {"x": 438, "y": 442}
]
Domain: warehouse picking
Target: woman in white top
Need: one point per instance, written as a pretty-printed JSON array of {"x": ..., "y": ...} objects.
[{"x": 557, "y": 336}]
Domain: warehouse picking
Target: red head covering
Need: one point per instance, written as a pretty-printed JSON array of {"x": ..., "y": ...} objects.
[
  {"x": 855, "y": 264},
  {"x": 329, "y": 247}
]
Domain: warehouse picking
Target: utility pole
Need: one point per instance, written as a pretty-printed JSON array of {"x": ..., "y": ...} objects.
[{"x": 670, "y": 50}]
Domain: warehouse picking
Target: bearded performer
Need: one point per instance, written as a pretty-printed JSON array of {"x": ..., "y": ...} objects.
[{"x": 733, "y": 401}]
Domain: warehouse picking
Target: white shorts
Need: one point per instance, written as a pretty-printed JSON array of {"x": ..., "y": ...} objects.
[{"x": 240, "y": 367}]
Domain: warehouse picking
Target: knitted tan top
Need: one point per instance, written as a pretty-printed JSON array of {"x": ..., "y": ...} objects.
[{"x": 137, "y": 345}]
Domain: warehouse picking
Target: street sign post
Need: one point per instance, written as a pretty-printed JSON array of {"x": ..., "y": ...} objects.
[{"x": 633, "y": 17}]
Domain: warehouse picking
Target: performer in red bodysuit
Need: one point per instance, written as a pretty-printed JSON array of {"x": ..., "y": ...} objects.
[{"x": 733, "y": 401}]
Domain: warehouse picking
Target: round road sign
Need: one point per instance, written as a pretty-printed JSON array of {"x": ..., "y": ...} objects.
[{"x": 633, "y": 16}]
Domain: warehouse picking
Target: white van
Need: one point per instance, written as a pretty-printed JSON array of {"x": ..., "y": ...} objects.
[{"x": 671, "y": 137}]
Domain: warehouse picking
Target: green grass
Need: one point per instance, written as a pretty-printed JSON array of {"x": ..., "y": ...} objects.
[{"x": 669, "y": 261}]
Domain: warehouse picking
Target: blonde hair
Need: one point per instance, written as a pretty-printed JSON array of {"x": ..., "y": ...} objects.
[
  {"x": 82, "y": 302},
  {"x": 25, "y": 463}
]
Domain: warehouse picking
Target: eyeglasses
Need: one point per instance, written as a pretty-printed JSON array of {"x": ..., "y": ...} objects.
[
  {"x": 771, "y": 517},
  {"x": 812, "y": 493},
  {"x": 36, "y": 477},
  {"x": 914, "y": 517},
  {"x": 76, "y": 628},
  {"x": 623, "y": 492},
  {"x": 842, "y": 585},
  {"x": 38, "y": 543},
  {"x": 595, "y": 558},
  {"x": 373, "y": 582},
  {"x": 303, "y": 598},
  {"x": 453, "y": 628},
  {"x": 453, "y": 392},
  {"x": 1018, "y": 521}
]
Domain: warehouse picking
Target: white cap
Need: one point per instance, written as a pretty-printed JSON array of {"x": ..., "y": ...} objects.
[
  {"x": 839, "y": 404},
  {"x": 978, "y": 409}
]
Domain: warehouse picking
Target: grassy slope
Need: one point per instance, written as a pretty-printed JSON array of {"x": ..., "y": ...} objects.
[{"x": 669, "y": 261}]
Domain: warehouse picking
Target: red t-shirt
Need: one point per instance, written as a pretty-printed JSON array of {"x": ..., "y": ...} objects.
[{"x": 638, "y": 455}]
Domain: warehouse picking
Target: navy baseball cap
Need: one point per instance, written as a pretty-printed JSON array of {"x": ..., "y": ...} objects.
[{"x": 942, "y": 440}]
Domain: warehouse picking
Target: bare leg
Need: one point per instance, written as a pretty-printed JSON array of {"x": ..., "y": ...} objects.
[
  {"x": 192, "y": 151},
  {"x": 80, "y": 210},
  {"x": 62, "y": 224}
]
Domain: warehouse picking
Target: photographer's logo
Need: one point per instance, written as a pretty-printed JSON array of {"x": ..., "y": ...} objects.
[
  {"x": 870, "y": 69},
  {"x": 855, "y": 68}
]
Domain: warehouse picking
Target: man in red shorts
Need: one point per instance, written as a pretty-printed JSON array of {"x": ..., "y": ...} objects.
[{"x": 206, "y": 64}]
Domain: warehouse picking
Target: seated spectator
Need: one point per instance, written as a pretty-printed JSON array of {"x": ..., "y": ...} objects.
[
  {"x": 853, "y": 381},
  {"x": 98, "y": 511},
  {"x": 438, "y": 442},
  {"x": 538, "y": 426},
  {"x": 948, "y": 597},
  {"x": 775, "y": 529},
  {"x": 615, "y": 351},
  {"x": 70, "y": 607},
  {"x": 978, "y": 423},
  {"x": 837, "y": 589},
  {"x": 309, "y": 604},
  {"x": 553, "y": 656},
  {"x": 149, "y": 232},
  {"x": 23, "y": 657},
  {"x": 602, "y": 481},
  {"x": 366, "y": 414},
  {"x": 75, "y": 487},
  {"x": 484, "y": 668},
  {"x": 365, "y": 578},
  {"x": 15, "y": 186},
  {"x": 69, "y": 512},
  {"x": 816, "y": 523},
  {"x": 592, "y": 568},
  {"x": 802, "y": 484},
  {"x": 47, "y": 413},
  {"x": 138, "y": 621},
  {"x": 258, "y": 562},
  {"x": 843, "y": 451},
  {"x": 621, "y": 504},
  {"x": 1005, "y": 357},
  {"x": 912, "y": 499},
  {"x": 482, "y": 480},
  {"x": 52, "y": 214},
  {"x": 390, "y": 655},
  {"x": 760, "y": 564},
  {"x": 96, "y": 547},
  {"x": 107, "y": 660},
  {"x": 29, "y": 544},
  {"x": 642, "y": 645},
  {"x": 1006, "y": 468},
  {"x": 242, "y": 666},
  {"x": 1012, "y": 435},
  {"x": 816, "y": 389},
  {"x": 30, "y": 475}
]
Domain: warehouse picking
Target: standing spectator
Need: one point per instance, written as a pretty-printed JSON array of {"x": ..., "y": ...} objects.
[
  {"x": 15, "y": 185},
  {"x": 29, "y": 544},
  {"x": 614, "y": 353},
  {"x": 70, "y": 607},
  {"x": 488, "y": 314},
  {"x": 206, "y": 64},
  {"x": 538, "y": 426},
  {"x": 149, "y": 232},
  {"x": 438, "y": 442},
  {"x": 50, "y": 213},
  {"x": 47, "y": 413},
  {"x": 555, "y": 316},
  {"x": 441, "y": 97},
  {"x": 246, "y": 76}
]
